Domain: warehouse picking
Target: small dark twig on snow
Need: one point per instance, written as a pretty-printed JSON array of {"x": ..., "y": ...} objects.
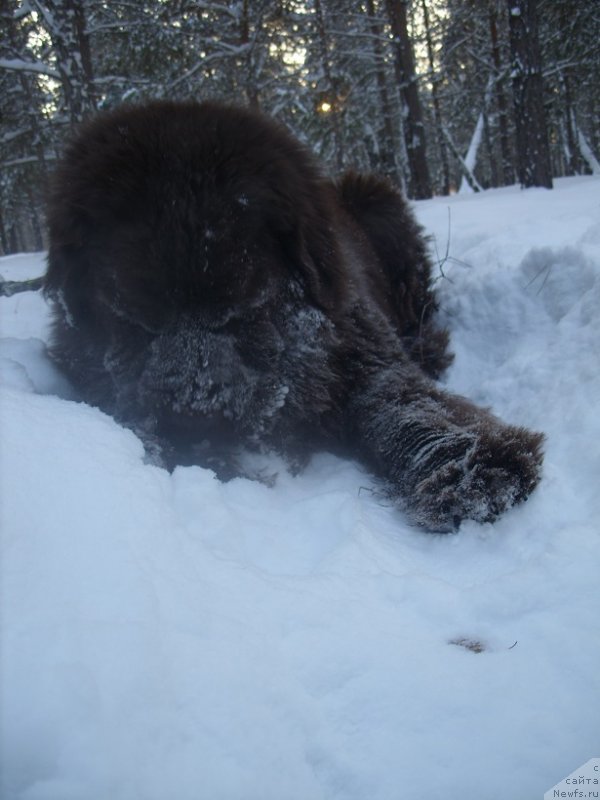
[{"x": 8, "y": 288}]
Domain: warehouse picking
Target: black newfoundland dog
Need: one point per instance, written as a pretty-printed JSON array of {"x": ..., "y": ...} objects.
[{"x": 217, "y": 294}]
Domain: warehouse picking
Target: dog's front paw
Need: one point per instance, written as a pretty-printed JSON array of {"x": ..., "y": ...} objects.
[{"x": 499, "y": 468}]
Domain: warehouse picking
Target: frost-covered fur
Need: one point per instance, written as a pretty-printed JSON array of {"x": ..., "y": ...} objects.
[{"x": 216, "y": 293}]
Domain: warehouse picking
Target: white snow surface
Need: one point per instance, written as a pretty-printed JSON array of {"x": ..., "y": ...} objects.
[{"x": 170, "y": 637}]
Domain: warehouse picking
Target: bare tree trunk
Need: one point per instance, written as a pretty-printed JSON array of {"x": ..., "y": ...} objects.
[
  {"x": 508, "y": 173},
  {"x": 334, "y": 113},
  {"x": 594, "y": 116},
  {"x": 574, "y": 164},
  {"x": 467, "y": 172},
  {"x": 437, "y": 112},
  {"x": 470, "y": 160},
  {"x": 32, "y": 116},
  {"x": 65, "y": 21},
  {"x": 487, "y": 137},
  {"x": 414, "y": 130},
  {"x": 3, "y": 234},
  {"x": 587, "y": 153},
  {"x": 533, "y": 150},
  {"x": 30, "y": 211},
  {"x": 14, "y": 240},
  {"x": 36, "y": 225},
  {"x": 389, "y": 163},
  {"x": 250, "y": 87}
]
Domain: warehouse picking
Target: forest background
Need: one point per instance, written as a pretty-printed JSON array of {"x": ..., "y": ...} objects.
[{"x": 439, "y": 95}]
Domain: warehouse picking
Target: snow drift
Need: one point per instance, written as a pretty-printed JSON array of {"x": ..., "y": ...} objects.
[{"x": 170, "y": 636}]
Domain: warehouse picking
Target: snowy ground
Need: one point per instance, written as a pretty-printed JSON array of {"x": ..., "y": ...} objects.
[{"x": 168, "y": 637}]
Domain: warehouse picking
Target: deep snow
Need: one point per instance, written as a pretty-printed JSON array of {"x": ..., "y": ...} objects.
[{"x": 169, "y": 637}]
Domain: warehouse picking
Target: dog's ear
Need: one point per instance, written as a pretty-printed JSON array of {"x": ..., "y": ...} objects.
[
  {"x": 319, "y": 263},
  {"x": 306, "y": 228},
  {"x": 67, "y": 268},
  {"x": 389, "y": 224}
]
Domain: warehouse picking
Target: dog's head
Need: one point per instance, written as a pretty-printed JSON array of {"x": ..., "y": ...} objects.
[
  {"x": 174, "y": 205},
  {"x": 178, "y": 233}
]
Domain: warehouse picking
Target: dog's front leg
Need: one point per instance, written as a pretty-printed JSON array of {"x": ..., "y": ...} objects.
[{"x": 443, "y": 458}]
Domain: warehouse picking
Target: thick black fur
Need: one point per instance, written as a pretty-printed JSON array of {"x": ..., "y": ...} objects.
[{"x": 216, "y": 293}]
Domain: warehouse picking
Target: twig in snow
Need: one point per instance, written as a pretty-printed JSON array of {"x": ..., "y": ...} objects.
[{"x": 8, "y": 288}]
